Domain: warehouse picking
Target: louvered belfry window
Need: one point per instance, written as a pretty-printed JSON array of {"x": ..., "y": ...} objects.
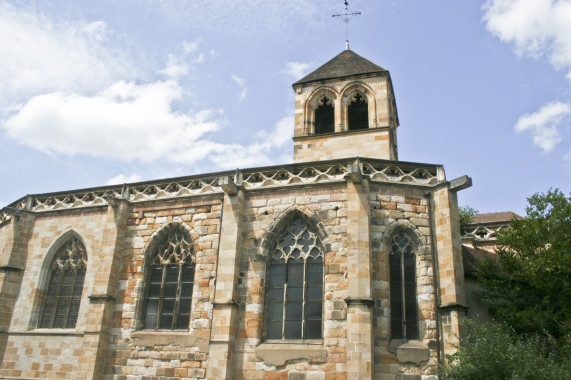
[
  {"x": 402, "y": 260},
  {"x": 358, "y": 113},
  {"x": 295, "y": 284},
  {"x": 65, "y": 286},
  {"x": 324, "y": 117},
  {"x": 170, "y": 279}
]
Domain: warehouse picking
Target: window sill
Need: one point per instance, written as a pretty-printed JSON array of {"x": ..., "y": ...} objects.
[
  {"x": 168, "y": 337},
  {"x": 409, "y": 351},
  {"x": 279, "y": 352},
  {"x": 46, "y": 331}
]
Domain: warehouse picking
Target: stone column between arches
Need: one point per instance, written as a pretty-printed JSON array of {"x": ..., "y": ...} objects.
[
  {"x": 14, "y": 239},
  {"x": 359, "y": 301},
  {"x": 225, "y": 313}
]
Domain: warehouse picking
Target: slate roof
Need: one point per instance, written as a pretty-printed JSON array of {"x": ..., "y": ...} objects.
[
  {"x": 345, "y": 64},
  {"x": 495, "y": 217}
]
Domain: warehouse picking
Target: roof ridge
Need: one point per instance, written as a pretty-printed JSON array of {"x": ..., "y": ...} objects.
[{"x": 345, "y": 64}]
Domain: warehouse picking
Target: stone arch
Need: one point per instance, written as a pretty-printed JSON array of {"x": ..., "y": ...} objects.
[
  {"x": 408, "y": 228},
  {"x": 283, "y": 218},
  {"x": 294, "y": 247},
  {"x": 164, "y": 231},
  {"x": 313, "y": 101},
  {"x": 346, "y": 96},
  {"x": 44, "y": 274},
  {"x": 155, "y": 239},
  {"x": 404, "y": 325}
]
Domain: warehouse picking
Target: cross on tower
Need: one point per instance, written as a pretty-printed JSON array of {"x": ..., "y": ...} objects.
[{"x": 346, "y": 16}]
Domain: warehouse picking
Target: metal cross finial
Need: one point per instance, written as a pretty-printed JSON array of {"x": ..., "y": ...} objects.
[{"x": 346, "y": 16}]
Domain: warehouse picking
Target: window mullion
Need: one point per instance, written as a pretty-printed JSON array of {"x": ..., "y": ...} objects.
[
  {"x": 69, "y": 298},
  {"x": 177, "y": 297},
  {"x": 161, "y": 295},
  {"x": 285, "y": 300},
  {"x": 403, "y": 297},
  {"x": 56, "y": 300},
  {"x": 303, "y": 299}
]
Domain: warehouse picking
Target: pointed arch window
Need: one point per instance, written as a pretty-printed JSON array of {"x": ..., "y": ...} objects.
[
  {"x": 295, "y": 284},
  {"x": 402, "y": 261},
  {"x": 358, "y": 112},
  {"x": 170, "y": 280},
  {"x": 65, "y": 286},
  {"x": 324, "y": 117}
]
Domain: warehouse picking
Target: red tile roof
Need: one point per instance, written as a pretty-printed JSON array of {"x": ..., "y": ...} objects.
[{"x": 495, "y": 217}]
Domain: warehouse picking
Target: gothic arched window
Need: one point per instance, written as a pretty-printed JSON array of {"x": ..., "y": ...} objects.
[
  {"x": 295, "y": 284},
  {"x": 324, "y": 117},
  {"x": 170, "y": 279},
  {"x": 358, "y": 112},
  {"x": 402, "y": 261},
  {"x": 65, "y": 286}
]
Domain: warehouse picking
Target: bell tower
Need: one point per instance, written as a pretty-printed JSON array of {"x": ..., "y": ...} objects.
[{"x": 345, "y": 108}]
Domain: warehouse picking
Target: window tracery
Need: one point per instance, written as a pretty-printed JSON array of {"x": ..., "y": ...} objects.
[
  {"x": 295, "y": 284},
  {"x": 170, "y": 280},
  {"x": 402, "y": 261},
  {"x": 65, "y": 286}
]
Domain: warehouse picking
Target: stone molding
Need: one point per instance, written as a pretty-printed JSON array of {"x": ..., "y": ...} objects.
[
  {"x": 332, "y": 171},
  {"x": 10, "y": 268}
]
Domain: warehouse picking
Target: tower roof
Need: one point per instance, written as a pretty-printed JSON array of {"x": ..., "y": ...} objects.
[{"x": 345, "y": 64}]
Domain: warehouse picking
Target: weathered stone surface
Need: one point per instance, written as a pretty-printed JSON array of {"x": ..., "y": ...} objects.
[{"x": 278, "y": 354}]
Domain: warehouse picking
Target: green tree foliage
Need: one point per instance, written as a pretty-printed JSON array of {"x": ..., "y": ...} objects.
[
  {"x": 528, "y": 283},
  {"x": 495, "y": 352},
  {"x": 466, "y": 217}
]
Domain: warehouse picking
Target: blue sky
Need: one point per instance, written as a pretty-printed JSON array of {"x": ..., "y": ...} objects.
[{"x": 112, "y": 91}]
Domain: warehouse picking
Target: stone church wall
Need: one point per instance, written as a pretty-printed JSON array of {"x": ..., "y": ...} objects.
[
  {"x": 327, "y": 206},
  {"x": 393, "y": 207},
  {"x": 174, "y": 354},
  {"x": 46, "y": 353},
  {"x": 233, "y": 231}
]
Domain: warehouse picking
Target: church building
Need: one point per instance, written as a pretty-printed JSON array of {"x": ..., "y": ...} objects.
[{"x": 345, "y": 264}]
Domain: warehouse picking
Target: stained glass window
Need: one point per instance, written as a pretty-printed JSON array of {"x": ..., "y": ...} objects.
[
  {"x": 404, "y": 317},
  {"x": 65, "y": 286},
  {"x": 170, "y": 279},
  {"x": 295, "y": 284}
]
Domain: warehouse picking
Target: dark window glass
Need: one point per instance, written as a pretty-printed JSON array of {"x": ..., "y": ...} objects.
[
  {"x": 324, "y": 117},
  {"x": 402, "y": 263},
  {"x": 170, "y": 282},
  {"x": 358, "y": 113},
  {"x": 295, "y": 285},
  {"x": 65, "y": 286}
]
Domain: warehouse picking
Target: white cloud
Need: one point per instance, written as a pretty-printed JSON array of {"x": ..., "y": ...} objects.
[
  {"x": 71, "y": 94},
  {"x": 296, "y": 70},
  {"x": 534, "y": 27},
  {"x": 543, "y": 124},
  {"x": 190, "y": 47},
  {"x": 174, "y": 69},
  {"x": 122, "y": 178},
  {"x": 568, "y": 156},
  {"x": 243, "y": 94},
  {"x": 537, "y": 28},
  {"x": 242, "y": 83},
  {"x": 239, "y": 80},
  {"x": 129, "y": 121},
  {"x": 125, "y": 121},
  {"x": 40, "y": 55}
]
